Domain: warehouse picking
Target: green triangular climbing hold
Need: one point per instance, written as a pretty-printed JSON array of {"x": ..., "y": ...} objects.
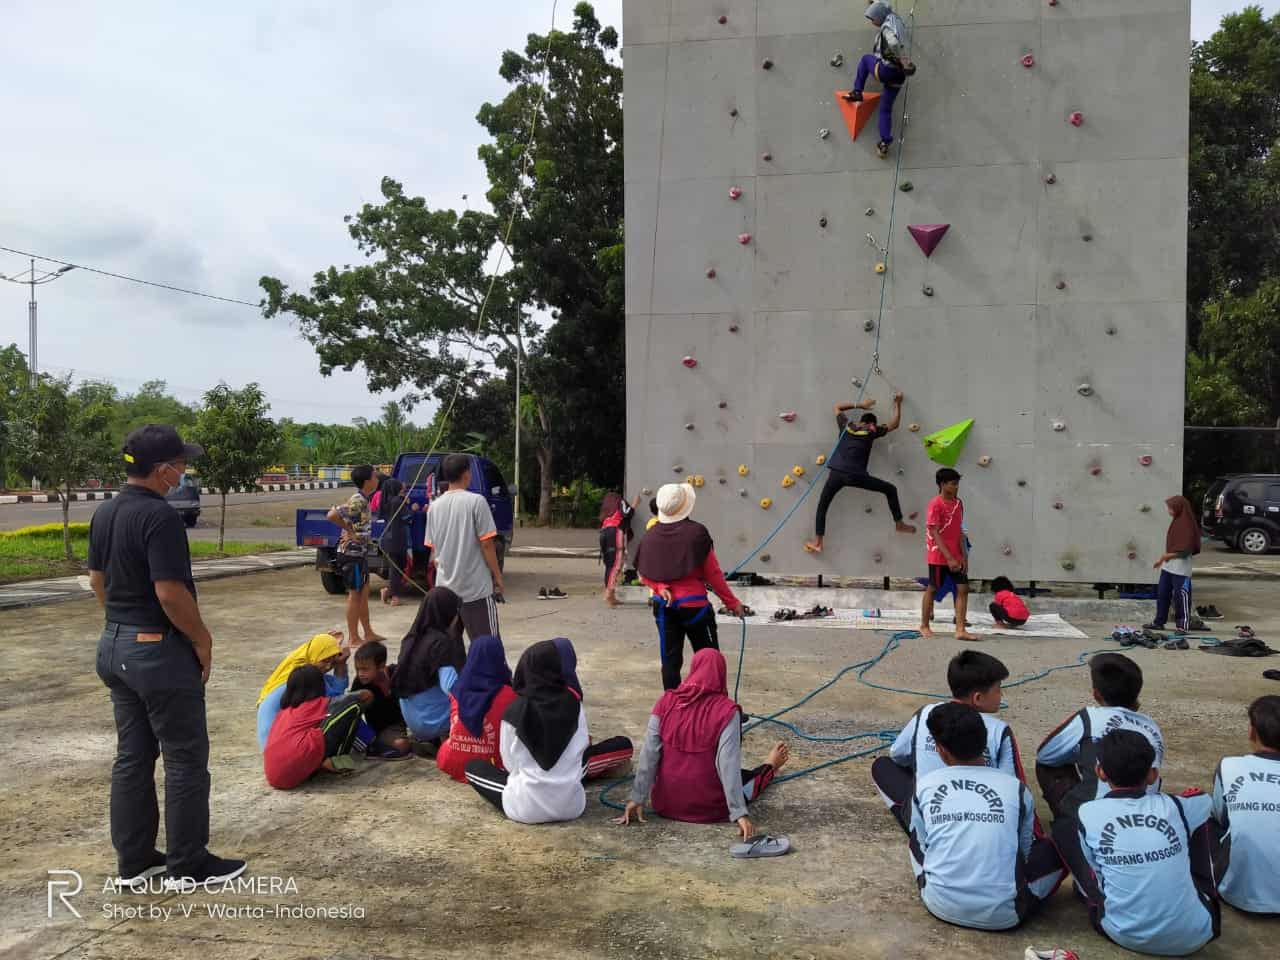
[{"x": 944, "y": 446}]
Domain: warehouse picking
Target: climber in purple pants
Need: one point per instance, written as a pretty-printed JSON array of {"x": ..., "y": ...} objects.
[{"x": 891, "y": 77}]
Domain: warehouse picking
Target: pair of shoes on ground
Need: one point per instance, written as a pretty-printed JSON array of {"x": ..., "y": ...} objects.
[
  {"x": 817, "y": 612},
  {"x": 1241, "y": 646},
  {"x": 1149, "y": 637},
  {"x": 380, "y": 751},
  {"x": 1209, "y": 612},
  {"x": 551, "y": 593},
  {"x": 726, "y": 612},
  {"x": 214, "y": 870}
]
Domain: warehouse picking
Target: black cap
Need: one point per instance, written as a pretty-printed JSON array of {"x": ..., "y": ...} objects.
[{"x": 154, "y": 444}]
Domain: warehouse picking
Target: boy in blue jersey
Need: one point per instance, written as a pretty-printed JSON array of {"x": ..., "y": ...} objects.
[
  {"x": 973, "y": 849},
  {"x": 1141, "y": 860},
  {"x": 1246, "y": 811},
  {"x": 1067, "y": 760},
  {"x": 974, "y": 679}
]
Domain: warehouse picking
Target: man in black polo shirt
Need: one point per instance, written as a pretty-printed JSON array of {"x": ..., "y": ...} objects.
[
  {"x": 154, "y": 655},
  {"x": 849, "y": 465}
]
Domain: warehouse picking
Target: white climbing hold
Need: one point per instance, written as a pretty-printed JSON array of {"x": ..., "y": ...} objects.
[
  {"x": 1058, "y": 426},
  {"x": 824, "y": 133},
  {"x": 837, "y": 60},
  {"x": 914, "y": 428},
  {"x": 856, "y": 381},
  {"x": 984, "y": 461}
]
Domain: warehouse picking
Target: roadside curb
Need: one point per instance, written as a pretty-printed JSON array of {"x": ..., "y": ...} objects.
[
  {"x": 37, "y": 593},
  {"x": 10, "y": 498}
]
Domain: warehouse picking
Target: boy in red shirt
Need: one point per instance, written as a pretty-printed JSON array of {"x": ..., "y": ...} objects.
[
  {"x": 1007, "y": 610},
  {"x": 945, "y": 552}
]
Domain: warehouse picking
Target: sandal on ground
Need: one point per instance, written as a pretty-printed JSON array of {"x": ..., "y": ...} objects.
[
  {"x": 761, "y": 846},
  {"x": 1245, "y": 632}
]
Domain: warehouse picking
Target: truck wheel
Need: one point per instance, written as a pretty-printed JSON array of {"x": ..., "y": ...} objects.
[
  {"x": 501, "y": 549},
  {"x": 1254, "y": 540},
  {"x": 332, "y": 583}
]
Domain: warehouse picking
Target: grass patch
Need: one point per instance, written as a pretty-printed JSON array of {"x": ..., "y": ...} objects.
[{"x": 35, "y": 553}]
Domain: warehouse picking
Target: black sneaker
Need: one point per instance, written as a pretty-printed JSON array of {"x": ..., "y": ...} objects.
[
  {"x": 555, "y": 593},
  {"x": 379, "y": 751},
  {"x": 882, "y": 149},
  {"x": 138, "y": 880},
  {"x": 1153, "y": 626},
  {"x": 853, "y": 96},
  {"x": 542, "y": 593},
  {"x": 215, "y": 871},
  {"x": 1212, "y": 613}
]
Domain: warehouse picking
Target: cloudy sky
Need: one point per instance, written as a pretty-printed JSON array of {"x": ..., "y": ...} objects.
[{"x": 206, "y": 145}]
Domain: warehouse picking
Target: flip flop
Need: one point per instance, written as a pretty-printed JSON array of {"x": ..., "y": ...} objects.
[
  {"x": 1271, "y": 674},
  {"x": 761, "y": 846}
]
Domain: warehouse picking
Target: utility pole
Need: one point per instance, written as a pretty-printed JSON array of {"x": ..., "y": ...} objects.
[{"x": 515, "y": 497}]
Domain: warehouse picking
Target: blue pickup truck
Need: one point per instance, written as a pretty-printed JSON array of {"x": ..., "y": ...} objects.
[{"x": 419, "y": 472}]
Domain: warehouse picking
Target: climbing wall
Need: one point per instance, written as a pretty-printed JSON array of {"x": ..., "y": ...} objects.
[{"x": 1050, "y": 138}]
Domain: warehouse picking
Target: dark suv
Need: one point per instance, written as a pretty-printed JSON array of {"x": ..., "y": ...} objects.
[
  {"x": 185, "y": 498},
  {"x": 1243, "y": 511}
]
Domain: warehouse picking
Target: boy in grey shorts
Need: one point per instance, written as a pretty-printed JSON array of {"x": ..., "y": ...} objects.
[{"x": 463, "y": 542}]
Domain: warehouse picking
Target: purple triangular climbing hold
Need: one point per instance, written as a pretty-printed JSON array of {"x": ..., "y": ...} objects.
[{"x": 929, "y": 235}]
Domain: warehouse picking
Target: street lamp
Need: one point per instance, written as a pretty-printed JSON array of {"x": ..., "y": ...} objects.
[{"x": 33, "y": 281}]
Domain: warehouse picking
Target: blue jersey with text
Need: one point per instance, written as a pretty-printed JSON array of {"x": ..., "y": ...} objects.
[
  {"x": 915, "y": 749},
  {"x": 1076, "y": 742},
  {"x": 1246, "y": 802}
]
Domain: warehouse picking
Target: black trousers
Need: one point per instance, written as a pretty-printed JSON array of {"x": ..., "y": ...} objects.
[
  {"x": 158, "y": 700},
  {"x": 895, "y": 784},
  {"x": 1062, "y": 789},
  {"x": 490, "y": 781},
  {"x": 998, "y": 614},
  {"x": 837, "y": 481},
  {"x": 698, "y": 624}
]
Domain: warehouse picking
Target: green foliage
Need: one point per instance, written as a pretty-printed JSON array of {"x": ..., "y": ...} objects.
[
  {"x": 240, "y": 441},
  {"x": 14, "y": 380}
]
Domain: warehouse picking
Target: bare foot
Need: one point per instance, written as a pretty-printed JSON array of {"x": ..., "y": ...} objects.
[
  {"x": 386, "y": 595},
  {"x": 813, "y": 546},
  {"x": 611, "y": 598},
  {"x": 394, "y": 602},
  {"x": 903, "y": 527},
  {"x": 371, "y": 637},
  {"x": 925, "y": 631},
  {"x": 778, "y": 756},
  {"x": 967, "y": 636}
]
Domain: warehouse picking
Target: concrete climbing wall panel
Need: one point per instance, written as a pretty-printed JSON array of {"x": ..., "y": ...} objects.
[{"x": 1051, "y": 312}]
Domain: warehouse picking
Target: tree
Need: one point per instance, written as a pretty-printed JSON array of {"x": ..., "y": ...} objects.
[
  {"x": 153, "y": 404},
  {"x": 65, "y": 438},
  {"x": 15, "y": 380},
  {"x": 240, "y": 441}
]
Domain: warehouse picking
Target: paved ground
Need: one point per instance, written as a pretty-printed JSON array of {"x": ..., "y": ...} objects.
[{"x": 438, "y": 873}]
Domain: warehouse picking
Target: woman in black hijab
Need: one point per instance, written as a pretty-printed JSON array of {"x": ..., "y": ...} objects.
[
  {"x": 431, "y": 657},
  {"x": 394, "y": 508},
  {"x": 544, "y": 745}
]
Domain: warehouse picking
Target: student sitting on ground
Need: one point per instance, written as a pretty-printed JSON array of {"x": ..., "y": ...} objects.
[
  {"x": 974, "y": 679},
  {"x": 690, "y": 765},
  {"x": 601, "y": 763},
  {"x": 1141, "y": 859},
  {"x": 973, "y": 849},
  {"x": 1246, "y": 799},
  {"x": 1007, "y": 608},
  {"x": 431, "y": 657},
  {"x": 383, "y": 712},
  {"x": 543, "y": 743},
  {"x": 476, "y": 705},
  {"x": 1067, "y": 760},
  {"x": 312, "y": 731},
  {"x": 323, "y": 651}
]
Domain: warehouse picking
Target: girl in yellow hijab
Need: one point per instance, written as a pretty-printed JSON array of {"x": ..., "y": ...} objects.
[{"x": 324, "y": 651}]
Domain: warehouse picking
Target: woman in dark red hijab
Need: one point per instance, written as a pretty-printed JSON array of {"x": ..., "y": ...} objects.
[
  {"x": 1181, "y": 543},
  {"x": 690, "y": 766}
]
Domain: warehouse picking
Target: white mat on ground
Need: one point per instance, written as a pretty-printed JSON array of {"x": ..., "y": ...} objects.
[{"x": 1040, "y": 625}]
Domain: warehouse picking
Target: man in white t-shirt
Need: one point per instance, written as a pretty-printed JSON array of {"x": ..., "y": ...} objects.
[{"x": 462, "y": 538}]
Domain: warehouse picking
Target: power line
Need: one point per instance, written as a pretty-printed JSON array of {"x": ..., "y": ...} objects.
[{"x": 145, "y": 283}]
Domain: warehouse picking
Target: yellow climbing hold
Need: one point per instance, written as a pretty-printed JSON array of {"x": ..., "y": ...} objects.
[
  {"x": 766, "y": 503},
  {"x": 697, "y": 479},
  {"x": 788, "y": 480},
  {"x": 880, "y": 267},
  {"x": 798, "y": 470},
  {"x": 742, "y": 470},
  {"x": 820, "y": 459}
]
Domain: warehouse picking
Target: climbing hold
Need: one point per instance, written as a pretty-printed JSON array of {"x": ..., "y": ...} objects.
[
  {"x": 822, "y": 222},
  {"x": 868, "y": 325},
  {"x": 689, "y": 362},
  {"x": 733, "y": 328},
  {"x": 744, "y": 238},
  {"x": 856, "y": 381},
  {"x": 789, "y": 416},
  {"x": 1007, "y": 550},
  {"x": 928, "y": 235},
  {"x": 742, "y": 492},
  {"x": 870, "y": 510},
  {"x": 698, "y": 479},
  {"x": 766, "y": 63},
  {"x": 723, "y": 404},
  {"x": 1111, "y": 331},
  {"x": 1050, "y": 179},
  {"x": 677, "y": 468},
  {"x": 743, "y": 470},
  {"x": 1068, "y": 563},
  {"x": 877, "y": 557},
  {"x": 1061, "y": 284},
  {"x": 914, "y": 515},
  {"x": 1053, "y": 3},
  {"x": 1058, "y": 426},
  {"x": 788, "y": 480},
  {"x": 906, "y": 186},
  {"x": 766, "y": 503},
  {"x": 711, "y": 273},
  {"x": 984, "y": 461},
  {"x": 901, "y": 472},
  {"x": 927, "y": 290},
  {"x": 914, "y": 428},
  {"x": 870, "y": 211},
  {"x": 766, "y": 557},
  {"x": 1058, "y": 504},
  {"x": 1086, "y": 237},
  {"x": 1028, "y": 60},
  {"x": 723, "y": 481},
  {"x": 722, "y": 19},
  {"x": 1131, "y": 550},
  {"x": 857, "y": 114},
  {"x": 1145, "y": 508},
  {"x": 880, "y": 267},
  {"x": 1076, "y": 118},
  {"x": 798, "y": 470},
  {"x": 824, "y": 133},
  {"x": 766, "y": 157},
  {"x": 1085, "y": 389},
  {"x": 1095, "y": 470},
  {"x": 735, "y": 193},
  {"x": 837, "y": 60},
  {"x": 1145, "y": 459},
  {"x": 944, "y": 446},
  {"x": 688, "y": 426},
  {"x": 733, "y": 111},
  {"x": 1022, "y": 482}
]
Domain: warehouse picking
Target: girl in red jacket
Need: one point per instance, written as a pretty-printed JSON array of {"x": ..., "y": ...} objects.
[
  {"x": 312, "y": 731},
  {"x": 476, "y": 705}
]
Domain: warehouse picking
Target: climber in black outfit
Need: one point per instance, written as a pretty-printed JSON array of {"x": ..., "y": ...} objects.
[{"x": 848, "y": 465}]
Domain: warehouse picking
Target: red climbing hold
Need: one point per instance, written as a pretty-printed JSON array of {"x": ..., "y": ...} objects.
[
  {"x": 929, "y": 235},
  {"x": 711, "y": 273},
  {"x": 1028, "y": 61},
  {"x": 735, "y": 193},
  {"x": 744, "y": 238},
  {"x": 1076, "y": 118},
  {"x": 689, "y": 362},
  {"x": 789, "y": 416},
  {"x": 857, "y": 114},
  {"x": 722, "y": 19},
  {"x": 1145, "y": 459}
]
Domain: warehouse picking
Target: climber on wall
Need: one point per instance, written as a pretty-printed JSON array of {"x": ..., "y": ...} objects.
[
  {"x": 889, "y": 63},
  {"x": 848, "y": 465}
]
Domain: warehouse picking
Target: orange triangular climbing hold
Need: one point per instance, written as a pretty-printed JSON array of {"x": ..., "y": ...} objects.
[{"x": 857, "y": 114}]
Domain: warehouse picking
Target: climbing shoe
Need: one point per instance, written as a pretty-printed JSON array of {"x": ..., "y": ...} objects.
[
  {"x": 882, "y": 150},
  {"x": 853, "y": 96},
  {"x": 555, "y": 593},
  {"x": 1271, "y": 674},
  {"x": 1209, "y": 613},
  {"x": 1245, "y": 633},
  {"x": 542, "y": 593},
  {"x": 1153, "y": 626},
  {"x": 1176, "y": 643},
  {"x": 1240, "y": 647}
]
